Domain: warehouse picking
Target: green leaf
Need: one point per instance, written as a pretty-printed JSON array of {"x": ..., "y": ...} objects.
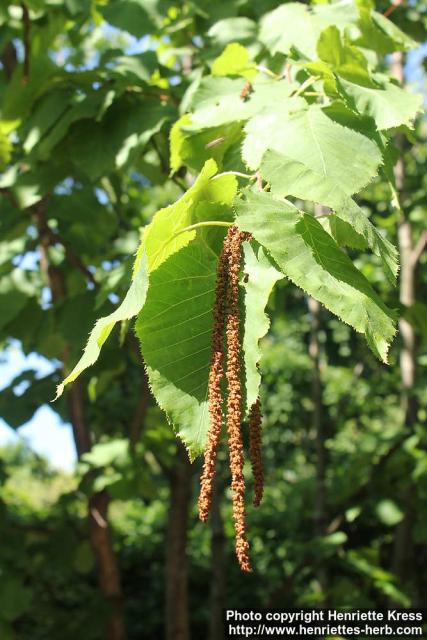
[
  {"x": 260, "y": 277},
  {"x": 217, "y": 100},
  {"x": 294, "y": 26},
  {"x": 83, "y": 558},
  {"x": 132, "y": 16},
  {"x": 175, "y": 331},
  {"x": 389, "y": 105},
  {"x": 309, "y": 257},
  {"x": 233, "y": 30},
  {"x": 104, "y": 454},
  {"x": 234, "y": 61},
  {"x": 44, "y": 136},
  {"x": 389, "y": 513},
  {"x": 99, "y": 147},
  {"x": 192, "y": 146},
  {"x": 12, "y": 302},
  {"x": 129, "y": 308},
  {"x": 5, "y": 149},
  {"x": 342, "y": 232},
  {"x": 289, "y": 26},
  {"x": 289, "y": 177},
  {"x": 164, "y": 236},
  {"x": 325, "y": 147},
  {"x": 15, "y": 597},
  {"x": 346, "y": 60},
  {"x": 136, "y": 68},
  {"x": 381, "y": 34}
]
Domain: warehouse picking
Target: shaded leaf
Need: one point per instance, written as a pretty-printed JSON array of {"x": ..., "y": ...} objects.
[
  {"x": 389, "y": 105},
  {"x": 309, "y": 257},
  {"x": 328, "y": 186}
]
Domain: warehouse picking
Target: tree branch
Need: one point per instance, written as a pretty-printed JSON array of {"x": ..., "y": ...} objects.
[
  {"x": 419, "y": 248},
  {"x": 50, "y": 238},
  {"x": 72, "y": 257}
]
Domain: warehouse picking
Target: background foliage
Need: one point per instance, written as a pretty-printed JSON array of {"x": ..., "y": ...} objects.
[{"x": 89, "y": 95}]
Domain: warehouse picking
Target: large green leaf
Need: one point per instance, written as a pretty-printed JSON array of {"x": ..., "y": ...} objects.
[
  {"x": 260, "y": 277},
  {"x": 289, "y": 177},
  {"x": 192, "y": 145},
  {"x": 233, "y": 30},
  {"x": 217, "y": 100},
  {"x": 309, "y": 257},
  {"x": 295, "y": 26},
  {"x": 234, "y": 61},
  {"x": 99, "y": 147},
  {"x": 310, "y": 137},
  {"x": 287, "y": 27},
  {"x": 164, "y": 236},
  {"x": 381, "y": 34},
  {"x": 389, "y": 105},
  {"x": 175, "y": 331},
  {"x": 342, "y": 58}
]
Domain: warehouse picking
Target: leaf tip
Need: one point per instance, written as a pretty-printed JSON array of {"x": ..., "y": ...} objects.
[{"x": 59, "y": 392}]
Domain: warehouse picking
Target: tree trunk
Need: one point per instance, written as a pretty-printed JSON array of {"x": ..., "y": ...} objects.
[
  {"x": 319, "y": 432},
  {"x": 177, "y": 623},
  {"x": 317, "y": 418},
  {"x": 108, "y": 572},
  {"x": 218, "y": 579},
  {"x": 403, "y": 543},
  {"x": 99, "y": 530}
]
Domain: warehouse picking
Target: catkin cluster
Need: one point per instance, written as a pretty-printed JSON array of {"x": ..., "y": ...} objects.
[{"x": 226, "y": 330}]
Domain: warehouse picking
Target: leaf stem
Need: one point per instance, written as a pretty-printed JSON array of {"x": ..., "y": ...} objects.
[
  {"x": 305, "y": 85},
  {"x": 207, "y": 223},
  {"x": 263, "y": 69},
  {"x": 234, "y": 173}
]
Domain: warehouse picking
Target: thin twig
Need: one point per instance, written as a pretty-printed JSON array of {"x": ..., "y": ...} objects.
[
  {"x": 26, "y": 43},
  {"x": 393, "y": 6},
  {"x": 72, "y": 257}
]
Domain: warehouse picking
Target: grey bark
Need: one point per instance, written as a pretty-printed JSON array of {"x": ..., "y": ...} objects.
[{"x": 403, "y": 542}]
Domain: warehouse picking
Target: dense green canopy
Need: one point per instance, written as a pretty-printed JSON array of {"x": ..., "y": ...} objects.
[{"x": 131, "y": 134}]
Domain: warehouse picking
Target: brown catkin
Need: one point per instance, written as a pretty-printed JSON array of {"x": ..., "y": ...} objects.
[
  {"x": 255, "y": 451},
  {"x": 216, "y": 374},
  {"x": 234, "y": 416}
]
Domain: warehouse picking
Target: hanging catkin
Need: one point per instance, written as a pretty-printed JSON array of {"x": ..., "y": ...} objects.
[
  {"x": 234, "y": 416},
  {"x": 227, "y": 320},
  {"x": 216, "y": 374},
  {"x": 255, "y": 452}
]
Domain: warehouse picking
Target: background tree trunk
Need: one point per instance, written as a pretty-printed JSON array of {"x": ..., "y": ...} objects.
[
  {"x": 108, "y": 572},
  {"x": 403, "y": 543},
  {"x": 218, "y": 576},
  {"x": 319, "y": 514},
  {"x": 180, "y": 477},
  {"x": 99, "y": 529}
]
